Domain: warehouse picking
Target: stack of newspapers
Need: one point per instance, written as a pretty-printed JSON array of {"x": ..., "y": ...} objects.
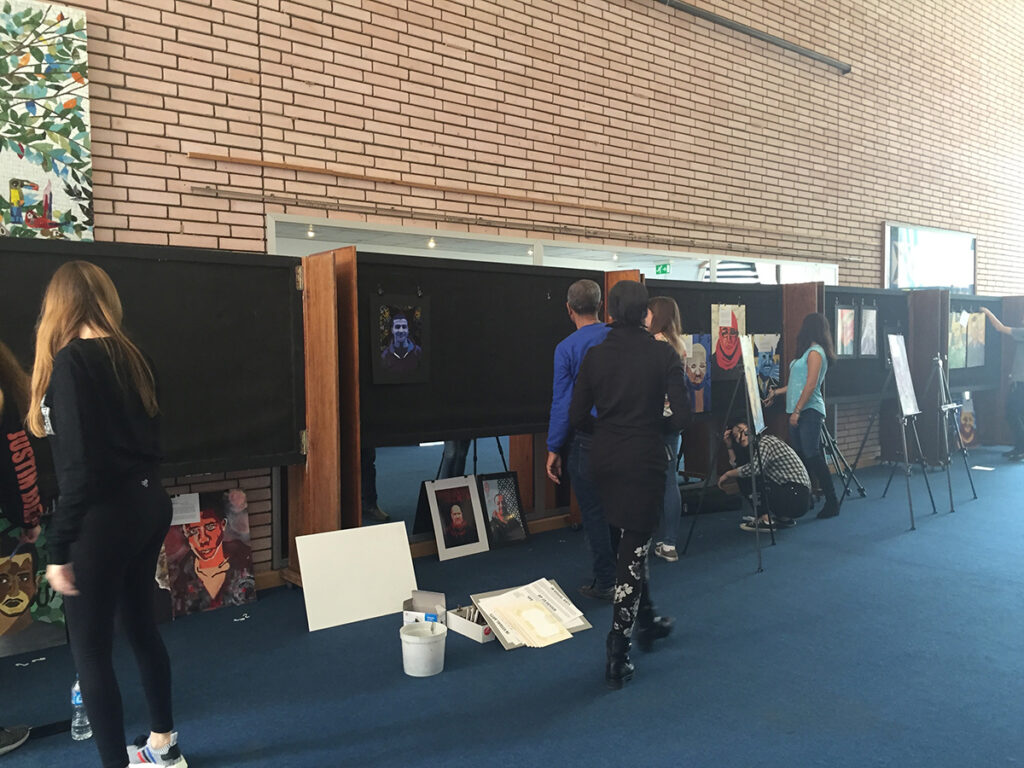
[{"x": 534, "y": 615}]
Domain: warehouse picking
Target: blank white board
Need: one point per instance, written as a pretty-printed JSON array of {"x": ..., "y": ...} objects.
[{"x": 355, "y": 574}]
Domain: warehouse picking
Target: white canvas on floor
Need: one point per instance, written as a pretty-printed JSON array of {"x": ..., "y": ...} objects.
[{"x": 355, "y": 574}]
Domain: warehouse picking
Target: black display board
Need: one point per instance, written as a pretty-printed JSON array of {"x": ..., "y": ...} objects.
[
  {"x": 859, "y": 379},
  {"x": 985, "y": 376},
  {"x": 224, "y": 331},
  {"x": 491, "y": 336}
]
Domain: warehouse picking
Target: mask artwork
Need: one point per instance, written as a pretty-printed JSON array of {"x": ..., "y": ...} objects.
[
  {"x": 209, "y": 560},
  {"x": 968, "y": 424},
  {"x": 698, "y": 374},
  {"x": 729, "y": 322},
  {"x": 767, "y": 346}
]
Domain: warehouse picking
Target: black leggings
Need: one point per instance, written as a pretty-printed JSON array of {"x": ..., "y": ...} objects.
[
  {"x": 631, "y": 577},
  {"x": 114, "y": 562}
]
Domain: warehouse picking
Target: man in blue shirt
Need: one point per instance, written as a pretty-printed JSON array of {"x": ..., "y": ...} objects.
[{"x": 583, "y": 303}]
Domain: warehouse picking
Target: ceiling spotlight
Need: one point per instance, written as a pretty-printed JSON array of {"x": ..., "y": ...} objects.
[
  {"x": 310, "y": 232},
  {"x": 529, "y": 252},
  {"x": 431, "y": 243},
  {"x": 615, "y": 257}
]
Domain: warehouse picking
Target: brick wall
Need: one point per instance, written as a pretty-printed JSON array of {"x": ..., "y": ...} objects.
[
  {"x": 721, "y": 141},
  {"x": 707, "y": 139}
]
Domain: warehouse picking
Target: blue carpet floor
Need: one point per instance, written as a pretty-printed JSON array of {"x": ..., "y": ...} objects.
[{"x": 860, "y": 644}]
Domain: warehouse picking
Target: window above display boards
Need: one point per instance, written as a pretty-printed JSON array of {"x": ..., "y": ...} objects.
[{"x": 924, "y": 257}]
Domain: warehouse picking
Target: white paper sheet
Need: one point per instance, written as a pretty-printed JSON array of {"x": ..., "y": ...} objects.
[{"x": 185, "y": 509}]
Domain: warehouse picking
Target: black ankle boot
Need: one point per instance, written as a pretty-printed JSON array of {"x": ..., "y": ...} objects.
[
  {"x": 650, "y": 627},
  {"x": 820, "y": 469},
  {"x": 619, "y": 668}
]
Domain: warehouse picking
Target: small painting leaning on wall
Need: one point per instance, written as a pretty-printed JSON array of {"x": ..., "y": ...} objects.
[{"x": 45, "y": 147}]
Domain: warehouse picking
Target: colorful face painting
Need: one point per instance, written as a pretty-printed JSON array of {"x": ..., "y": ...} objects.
[
  {"x": 45, "y": 148},
  {"x": 767, "y": 346},
  {"x": 957, "y": 342},
  {"x": 976, "y": 340},
  {"x": 31, "y": 613},
  {"x": 729, "y": 322},
  {"x": 968, "y": 424},
  {"x": 209, "y": 562},
  {"x": 698, "y": 374}
]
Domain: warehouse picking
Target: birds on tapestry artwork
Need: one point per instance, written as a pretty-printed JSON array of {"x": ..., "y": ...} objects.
[{"x": 39, "y": 216}]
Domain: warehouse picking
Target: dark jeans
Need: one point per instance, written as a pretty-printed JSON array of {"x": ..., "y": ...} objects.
[
  {"x": 1015, "y": 413},
  {"x": 453, "y": 461},
  {"x": 787, "y": 500},
  {"x": 595, "y": 526},
  {"x": 368, "y": 476},
  {"x": 114, "y": 562},
  {"x": 806, "y": 440}
]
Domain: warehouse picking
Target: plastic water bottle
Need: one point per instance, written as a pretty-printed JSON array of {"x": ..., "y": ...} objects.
[{"x": 80, "y": 728}]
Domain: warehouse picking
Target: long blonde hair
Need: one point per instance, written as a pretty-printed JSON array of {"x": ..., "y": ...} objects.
[
  {"x": 665, "y": 320},
  {"x": 13, "y": 381},
  {"x": 82, "y": 295}
]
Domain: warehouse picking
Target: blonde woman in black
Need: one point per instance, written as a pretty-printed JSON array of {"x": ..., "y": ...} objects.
[
  {"x": 94, "y": 394},
  {"x": 626, "y": 379}
]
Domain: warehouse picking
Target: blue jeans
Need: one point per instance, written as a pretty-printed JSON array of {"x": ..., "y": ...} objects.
[
  {"x": 453, "y": 461},
  {"x": 595, "y": 526},
  {"x": 806, "y": 436},
  {"x": 673, "y": 511}
]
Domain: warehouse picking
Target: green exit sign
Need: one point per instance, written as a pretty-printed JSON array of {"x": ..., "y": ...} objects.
[{"x": 663, "y": 269}]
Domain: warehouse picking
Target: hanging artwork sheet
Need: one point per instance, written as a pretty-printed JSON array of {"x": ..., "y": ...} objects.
[
  {"x": 45, "y": 147},
  {"x": 400, "y": 344},
  {"x": 767, "y": 347},
  {"x": 957, "y": 340},
  {"x": 728, "y": 323},
  {"x": 868, "y": 332},
  {"x": 31, "y": 612},
  {"x": 698, "y": 373},
  {"x": 846, "y": 324},
  {"x": 976, "y": 340}
]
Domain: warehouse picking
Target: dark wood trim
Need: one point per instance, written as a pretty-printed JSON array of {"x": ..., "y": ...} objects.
[
  {"x": 610, "y": 279},
  {"x": 348, "y": 369}
]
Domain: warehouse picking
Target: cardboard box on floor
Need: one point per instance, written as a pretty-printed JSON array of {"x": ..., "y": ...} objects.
[
  {"x": 502, "y": 632},
  {"x": 470, "y": 622},
  {"x": 424, "y": 606}
]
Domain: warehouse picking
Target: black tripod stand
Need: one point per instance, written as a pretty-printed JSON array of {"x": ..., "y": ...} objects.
[
  {"x": 501, "y": 453},
  {"x": 908, "y": 468},
  {"x": 949, "y": 421},
  {"x": 843, "y": 468}
]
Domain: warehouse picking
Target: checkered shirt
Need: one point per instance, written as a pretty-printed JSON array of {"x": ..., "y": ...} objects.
[{"x": 781, "y": 464}]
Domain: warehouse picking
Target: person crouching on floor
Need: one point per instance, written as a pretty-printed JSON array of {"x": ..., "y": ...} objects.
[{"x": 783, "y": 485}]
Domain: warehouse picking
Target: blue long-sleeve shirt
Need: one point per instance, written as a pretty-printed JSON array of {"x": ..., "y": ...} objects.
[{"x": 568, "y": 358}]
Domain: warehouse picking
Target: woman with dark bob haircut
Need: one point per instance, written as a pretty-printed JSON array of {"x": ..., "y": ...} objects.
[{"x": 626, "y": 379}]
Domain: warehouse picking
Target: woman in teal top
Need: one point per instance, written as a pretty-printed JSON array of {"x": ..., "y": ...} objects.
[{"x": 805, "y": 404}]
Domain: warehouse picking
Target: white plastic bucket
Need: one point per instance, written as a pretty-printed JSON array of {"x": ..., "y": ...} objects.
[{"x": 423, "y": 648}]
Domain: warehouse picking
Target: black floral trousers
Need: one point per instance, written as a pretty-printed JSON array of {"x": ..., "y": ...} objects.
[{"x": 631, "y": 575}]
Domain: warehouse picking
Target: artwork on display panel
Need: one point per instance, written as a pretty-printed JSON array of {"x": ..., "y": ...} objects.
[
  {"x": 968, "y": 423},
  {"x": 31, "y": 611},
  {"x": 976, "y": 340},
  {"x": 209, "y": 560},
  {"x": 503, "y": 509},
  {"x": 753, "y": 391},
  {"x": 958, "y": 340},
  {"x": 766, "y": 345},
  {"x": 846, "y": 331},
  {"x": 868, "y": 332},
  {"x": 458, "y": 517},
  {"x": 728, "y": 323},
  {"x": 901, "y": 371},
  {"x": 400, "y": 339},
  {"x": 698, "y": 372},
  {"x": 45, "y": 146}
]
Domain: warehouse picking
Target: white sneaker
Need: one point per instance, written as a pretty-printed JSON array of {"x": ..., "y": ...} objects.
[
  {"x": 141, "y": 753},
  {"x": 666, "y": 552}
]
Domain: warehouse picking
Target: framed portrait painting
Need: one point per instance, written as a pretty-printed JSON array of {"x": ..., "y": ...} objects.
[
  {"x": 503, "y": 509},
  {"x": 400, "y": 339},
  {"x": 459, "y": 525}
]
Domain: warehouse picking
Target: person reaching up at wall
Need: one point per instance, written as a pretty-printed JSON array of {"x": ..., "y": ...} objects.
[
  {"x": 94, "y": 393},
  {"x": 805, "y": 404},
  {"x": 1015, "y": 396}
]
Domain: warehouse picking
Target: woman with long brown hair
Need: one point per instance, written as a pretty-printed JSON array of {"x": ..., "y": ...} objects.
[
  {"x": 21, "y": 505},
  {"x": 94, "y": 394},
  {"x": 664, "y": 323},
  {"x": 806, "y": 405}
]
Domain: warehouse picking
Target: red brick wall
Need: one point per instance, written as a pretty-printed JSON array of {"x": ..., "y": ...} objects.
[{"x": 744, "y": 146}]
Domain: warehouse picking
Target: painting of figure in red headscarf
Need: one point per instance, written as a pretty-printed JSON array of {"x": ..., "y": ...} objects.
[{"x": 729, "y": 322}]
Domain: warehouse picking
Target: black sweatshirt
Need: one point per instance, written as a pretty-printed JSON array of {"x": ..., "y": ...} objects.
[
  {"x": 20, "y": 499},
  {"x": 100, "y": 435}
]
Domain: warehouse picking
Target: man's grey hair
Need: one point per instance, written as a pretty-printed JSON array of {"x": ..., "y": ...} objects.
[{"x": 584, "y": 297}]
